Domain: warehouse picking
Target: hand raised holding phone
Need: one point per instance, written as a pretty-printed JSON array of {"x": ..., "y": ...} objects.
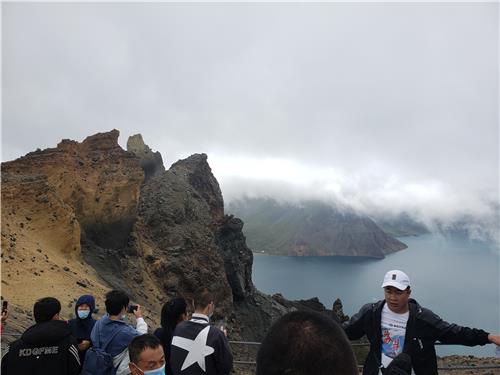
[{"x": 136, "y": 310}]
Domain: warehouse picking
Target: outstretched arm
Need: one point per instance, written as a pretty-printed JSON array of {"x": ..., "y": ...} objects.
[
  {"x": 494, "y": 339},
  {"x": 450, "y": 333}
]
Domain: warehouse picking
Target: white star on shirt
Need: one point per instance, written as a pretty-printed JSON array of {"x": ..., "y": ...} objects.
[{"x": 197, "y": 349}]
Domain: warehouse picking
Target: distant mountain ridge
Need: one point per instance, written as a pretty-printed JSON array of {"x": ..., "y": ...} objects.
[
  {"x": 310, "y": 228},
  {"x": 400, "y": 225}
]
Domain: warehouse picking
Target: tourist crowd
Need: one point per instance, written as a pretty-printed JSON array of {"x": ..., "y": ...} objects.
[{"x": 401, "y": 334}]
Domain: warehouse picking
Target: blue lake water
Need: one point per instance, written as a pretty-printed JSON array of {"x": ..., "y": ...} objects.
[{"x": 457, "y": 278}]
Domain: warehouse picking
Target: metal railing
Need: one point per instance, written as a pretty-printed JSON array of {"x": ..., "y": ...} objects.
[
  {"x": 451, "y": 368},
  {"x": 254, "y": 343}
]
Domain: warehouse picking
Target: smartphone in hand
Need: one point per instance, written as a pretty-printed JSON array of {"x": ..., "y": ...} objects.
[{"x": 132, "y": 308}]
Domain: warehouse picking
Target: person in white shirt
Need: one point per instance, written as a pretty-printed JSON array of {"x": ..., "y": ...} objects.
[{"x": 398, "y": 324}]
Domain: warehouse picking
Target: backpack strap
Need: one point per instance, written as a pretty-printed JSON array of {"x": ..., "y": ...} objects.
[{"x": 118, "y": 330}]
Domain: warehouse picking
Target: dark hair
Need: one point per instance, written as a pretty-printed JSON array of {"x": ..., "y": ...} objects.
[
  {"x": 306, "y": 343},
  {"x": 171, "y": 312},
  {"x": 202, "y": 297},
  {"x": 116, "y": 300},
  {"x": 45, "y": 309},
  {"x": 141, "y": 343}
]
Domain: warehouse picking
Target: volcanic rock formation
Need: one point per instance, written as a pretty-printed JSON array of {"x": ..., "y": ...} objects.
[
  {"x": 50, "y": 199},
  {"x": 151, "y": 162},
  {"x": 86, "y": 217}
]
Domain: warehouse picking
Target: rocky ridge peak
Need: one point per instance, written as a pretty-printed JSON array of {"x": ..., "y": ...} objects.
[
  {"x": 151, "y": 162},
  {"x": 200, "y": 177}
]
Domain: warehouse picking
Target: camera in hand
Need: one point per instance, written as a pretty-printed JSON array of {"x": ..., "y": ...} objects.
[
  {"x": 5, "y": 305},
  {"x": 132, "y": 308}
]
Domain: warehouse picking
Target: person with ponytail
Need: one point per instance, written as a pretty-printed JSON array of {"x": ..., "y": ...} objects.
[{"x": 172, "y": 313}]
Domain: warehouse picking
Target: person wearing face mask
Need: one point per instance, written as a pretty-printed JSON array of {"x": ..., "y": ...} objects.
[
  {"x": 112, "y": 334},
  {"x": 146, "y": 356},
  {"x": 48, "y": 347},
  {"x": 81, "y": 326},
  {"x": 199, "y": 348}
]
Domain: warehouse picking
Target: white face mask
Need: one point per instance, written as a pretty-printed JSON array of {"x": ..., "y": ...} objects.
[
  {"x": 158, "y": 371},
  {"x": 82, "y": 314}
]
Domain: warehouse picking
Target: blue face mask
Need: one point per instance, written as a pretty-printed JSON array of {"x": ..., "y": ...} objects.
[
  {"x": 83, "y": 314},
  {"x": 158, "y": 371}
]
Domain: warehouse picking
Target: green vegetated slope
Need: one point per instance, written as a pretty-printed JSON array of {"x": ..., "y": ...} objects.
[{"x": 310, "y": 228}]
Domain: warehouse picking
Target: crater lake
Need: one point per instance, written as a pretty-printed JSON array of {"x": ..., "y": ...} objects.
[{"x": 457, "y": 278}]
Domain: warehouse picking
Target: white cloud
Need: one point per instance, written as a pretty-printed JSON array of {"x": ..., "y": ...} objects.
[{"x": 380, "y": 106}]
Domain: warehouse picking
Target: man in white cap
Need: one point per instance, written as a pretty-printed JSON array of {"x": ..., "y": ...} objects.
[{"x": 398, "y": 324}]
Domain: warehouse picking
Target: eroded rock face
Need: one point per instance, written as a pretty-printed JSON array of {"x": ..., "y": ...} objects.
[
  {"x": 238, "y": 258},
  {"x": 81, "y": 218},
  {"x": 178, "y": 214},
  {"x": 96, "y": 182},
  {"x": 52, "y": 198},
  {"x": 32, "y": 210},
  {"x": 180, "y": 241},
  {"x": 151, "y": 162}
]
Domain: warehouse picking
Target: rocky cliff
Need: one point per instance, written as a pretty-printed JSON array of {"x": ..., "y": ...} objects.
[
  {"x": 86, "y": 217},
  {"x": 52, "y": 198}
]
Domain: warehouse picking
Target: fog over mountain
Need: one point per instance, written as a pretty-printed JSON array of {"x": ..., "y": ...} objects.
[{"x": 382, "y": 107}]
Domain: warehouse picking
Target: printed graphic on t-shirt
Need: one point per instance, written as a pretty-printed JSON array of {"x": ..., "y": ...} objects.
[
  {"x": 392, "y": 343},
  {"x": 393, "y": 332}
]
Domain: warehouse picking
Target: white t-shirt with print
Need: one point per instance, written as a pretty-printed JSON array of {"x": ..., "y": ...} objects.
[{"x": 393, "y": 334}]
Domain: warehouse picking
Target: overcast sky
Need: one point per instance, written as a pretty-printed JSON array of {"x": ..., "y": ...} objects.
[{"x": 380, "y": 106}]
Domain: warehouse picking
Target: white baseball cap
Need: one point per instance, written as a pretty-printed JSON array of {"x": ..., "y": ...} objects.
[{"x": 397, "y": 279}]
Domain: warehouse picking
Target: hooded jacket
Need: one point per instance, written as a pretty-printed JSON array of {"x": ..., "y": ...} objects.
[
  {"x": 423, "y": 329},
  {"x": 81, "y": 328},
  {"x": 45, "y": 348}
]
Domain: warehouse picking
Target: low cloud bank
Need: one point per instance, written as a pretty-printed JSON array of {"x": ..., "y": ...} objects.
[{"x": 436, "y": 204}]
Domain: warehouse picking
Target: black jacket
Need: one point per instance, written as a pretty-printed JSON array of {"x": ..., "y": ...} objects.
[
  {"x": 45, "y": 348},
  {"x": 195, "y": 336},
  {"x": 166, "y": 339},
  {"x": 81, "y": 328},
  {"x": 423, "y": 329}
]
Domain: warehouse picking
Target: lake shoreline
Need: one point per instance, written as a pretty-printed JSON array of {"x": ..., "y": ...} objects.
[{"x": 437, "y": 266}]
